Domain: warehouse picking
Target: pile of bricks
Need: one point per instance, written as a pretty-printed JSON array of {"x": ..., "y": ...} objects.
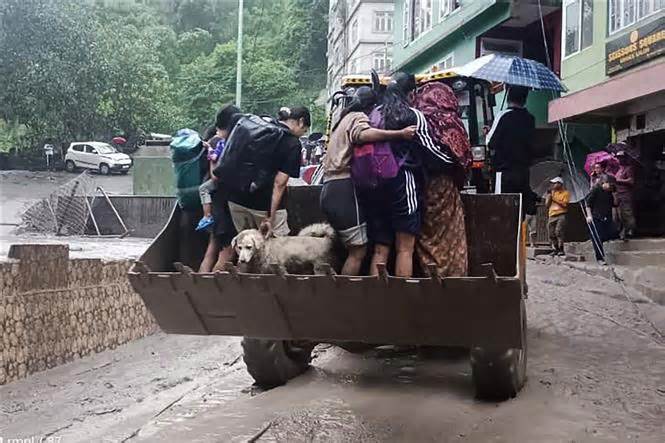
[{"x": 54, "y": 310}]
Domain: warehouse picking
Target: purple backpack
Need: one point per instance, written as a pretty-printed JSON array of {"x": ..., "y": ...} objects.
[{"x": 373, "y": 162}]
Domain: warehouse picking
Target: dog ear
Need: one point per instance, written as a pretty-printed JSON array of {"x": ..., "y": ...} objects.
[{"x": 234, "y": 242}]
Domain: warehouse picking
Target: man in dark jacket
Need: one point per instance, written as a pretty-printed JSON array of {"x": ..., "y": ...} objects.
[
  {"x": 511, "y": 138},
  {"x": 599, "y": 213}
]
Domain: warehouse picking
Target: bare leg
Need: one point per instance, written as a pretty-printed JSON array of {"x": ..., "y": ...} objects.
[
  {"x": 225, "y": 256},
  {"x": 210, "y": 255},
  {"x": 207, "y": 210},
  {"x": 404, "y": 244},
  {"x": 381, "y": 253},
  {"x": 355, "y": 260}
]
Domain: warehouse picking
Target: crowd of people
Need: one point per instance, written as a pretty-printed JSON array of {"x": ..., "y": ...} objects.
[
  {"x": 409, "y": 213},
  {"x": 609, "y": 204},
  {"x": 415, "y": 205},
  {"x": 228, "y": 210}
]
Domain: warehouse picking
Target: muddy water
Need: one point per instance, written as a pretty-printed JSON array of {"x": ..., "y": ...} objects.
[{"x": 595, "y": 374}]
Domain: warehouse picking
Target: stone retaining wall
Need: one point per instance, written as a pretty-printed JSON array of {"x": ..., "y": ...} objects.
[{"x": 54, "y": 309}]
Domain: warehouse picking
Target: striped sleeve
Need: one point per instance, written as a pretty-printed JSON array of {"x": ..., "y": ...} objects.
[{"x": 425, "y": 139}]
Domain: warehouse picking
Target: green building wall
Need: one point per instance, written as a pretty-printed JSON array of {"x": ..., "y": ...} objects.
[
  {"x": 456, "y": 33},
  {"x": 587, "y": 67}
]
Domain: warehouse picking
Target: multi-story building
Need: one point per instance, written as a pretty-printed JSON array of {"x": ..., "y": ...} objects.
[
  {"x": 614, "y": 67},
  {"x": 440, "y": 34},
  {"x": 360, "y": 37}
]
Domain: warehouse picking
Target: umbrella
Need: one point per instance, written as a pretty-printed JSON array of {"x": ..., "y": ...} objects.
[
  {"x": 630, "y": 150},
  {"x": 512, "y": 70},
  {"x": 541, "y": 174},
  {"x": 611, "y": 163},
  {"x": 119, "y": 140}
]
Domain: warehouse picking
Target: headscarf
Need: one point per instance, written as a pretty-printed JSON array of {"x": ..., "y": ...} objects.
[{"x": 439, "y": 105}]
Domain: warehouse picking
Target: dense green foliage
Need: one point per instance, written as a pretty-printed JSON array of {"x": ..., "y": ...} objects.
[{"x": 72, "y": 69}]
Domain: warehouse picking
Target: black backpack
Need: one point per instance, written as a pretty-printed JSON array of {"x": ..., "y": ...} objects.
[{"x": 247, "y": 163}]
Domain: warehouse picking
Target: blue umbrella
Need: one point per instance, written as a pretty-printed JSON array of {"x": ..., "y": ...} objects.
[{"x": 513, "y": 71}]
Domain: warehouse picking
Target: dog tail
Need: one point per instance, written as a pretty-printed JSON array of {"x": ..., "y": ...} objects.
[{"x": 319, "y": 230}]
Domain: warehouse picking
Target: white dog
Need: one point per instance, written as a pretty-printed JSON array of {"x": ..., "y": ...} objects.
[{"x": 304, "y": 254}]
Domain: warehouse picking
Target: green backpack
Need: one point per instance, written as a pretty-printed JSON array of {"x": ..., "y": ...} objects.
[{"x": 186, "y": 152}]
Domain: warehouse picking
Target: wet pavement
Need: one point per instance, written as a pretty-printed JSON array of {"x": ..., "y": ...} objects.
[{"x": 596, "y": 373}]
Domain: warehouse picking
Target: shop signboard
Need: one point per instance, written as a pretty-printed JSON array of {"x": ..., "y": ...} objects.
[{"x": 635, "y": 47}]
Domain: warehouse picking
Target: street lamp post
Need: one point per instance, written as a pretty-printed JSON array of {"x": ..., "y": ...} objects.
[{"x": 239, "y": 60}]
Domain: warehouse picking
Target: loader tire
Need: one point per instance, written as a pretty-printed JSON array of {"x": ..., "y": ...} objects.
[
  {"x": 499, "y": 374},
  {"x": 272, "y": 363}
]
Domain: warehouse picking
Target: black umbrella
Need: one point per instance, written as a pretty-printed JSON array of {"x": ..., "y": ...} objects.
[
  {"x": 629, "y": 150},
  {"x": 576, "y": 182}
]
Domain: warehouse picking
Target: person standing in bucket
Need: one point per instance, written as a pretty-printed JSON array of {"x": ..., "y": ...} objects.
[
  {"x": 557, "y": 202},
  {"x": 339, "y": 199},
  {"x": 511, "y": 138}
]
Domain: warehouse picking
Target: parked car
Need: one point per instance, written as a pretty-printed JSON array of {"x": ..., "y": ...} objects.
[{"x": 96, "y": 156}]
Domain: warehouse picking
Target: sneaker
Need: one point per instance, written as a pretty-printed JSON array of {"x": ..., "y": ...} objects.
[
  {"x": 602, "y": 262},
  {"x": 561, "y": 253},
  {"x": 205, "y": 223}
]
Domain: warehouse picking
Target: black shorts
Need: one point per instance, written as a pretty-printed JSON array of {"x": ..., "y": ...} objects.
[
  {"x": 224, "y": 229},
  {"x": 339, "y": 204},
  {"x": 394, "y": 207}
]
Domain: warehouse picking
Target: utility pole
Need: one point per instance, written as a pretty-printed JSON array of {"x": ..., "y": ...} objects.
[{"x": 239, "y": 61}]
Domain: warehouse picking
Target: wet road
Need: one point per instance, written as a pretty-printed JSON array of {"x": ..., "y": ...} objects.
[{"x": 596, "y": 373}]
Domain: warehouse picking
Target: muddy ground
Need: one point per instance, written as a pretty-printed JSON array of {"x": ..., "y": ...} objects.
[{"x": 596, "y": 373}]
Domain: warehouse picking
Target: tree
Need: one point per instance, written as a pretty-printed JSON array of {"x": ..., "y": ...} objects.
[{"x": 49, "y": 79}]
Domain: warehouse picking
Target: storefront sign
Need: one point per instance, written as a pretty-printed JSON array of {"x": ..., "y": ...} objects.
[{"x": 636, "y": 47}]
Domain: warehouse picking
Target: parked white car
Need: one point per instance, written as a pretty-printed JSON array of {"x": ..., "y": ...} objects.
[{"x": 97, "y": 156}]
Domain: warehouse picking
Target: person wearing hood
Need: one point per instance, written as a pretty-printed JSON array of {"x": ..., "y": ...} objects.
[{"x": 339, "y": 200}]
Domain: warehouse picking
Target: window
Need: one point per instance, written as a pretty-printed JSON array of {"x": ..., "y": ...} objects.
[
  {"x": 354, "y": 32},
  {"x": 78, "y": 148},
  {"x": 578, "y": 29},
  {"x": 421, "y": 17},
  {"x": 383, "y": 21},
  {"x": 353, "y": 67},
  {"x": 624, "y": 13},
  {"x": 447, "y": 6},
  {"x": 406, "y": 23},
  {"x": 447, "y": 62},
  {"x": 382, "y": 62},
  {"x": 500, "y": 46}
]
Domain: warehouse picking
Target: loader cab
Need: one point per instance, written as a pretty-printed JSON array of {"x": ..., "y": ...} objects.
[{"x": 477, "y": 102}]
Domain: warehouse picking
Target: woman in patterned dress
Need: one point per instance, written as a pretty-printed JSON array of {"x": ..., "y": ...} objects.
[{"x": 442, "y": 241}]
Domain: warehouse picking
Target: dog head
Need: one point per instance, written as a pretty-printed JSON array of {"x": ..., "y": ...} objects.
[{"x": 247, "y": 244}]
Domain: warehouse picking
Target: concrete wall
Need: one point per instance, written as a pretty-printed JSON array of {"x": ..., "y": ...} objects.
[
  {"x": 54, "y": 310},
  {"x": 153, "y": 172}
]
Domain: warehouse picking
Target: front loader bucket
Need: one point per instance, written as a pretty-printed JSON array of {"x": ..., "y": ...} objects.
[{"x": 480, "y": 310}]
